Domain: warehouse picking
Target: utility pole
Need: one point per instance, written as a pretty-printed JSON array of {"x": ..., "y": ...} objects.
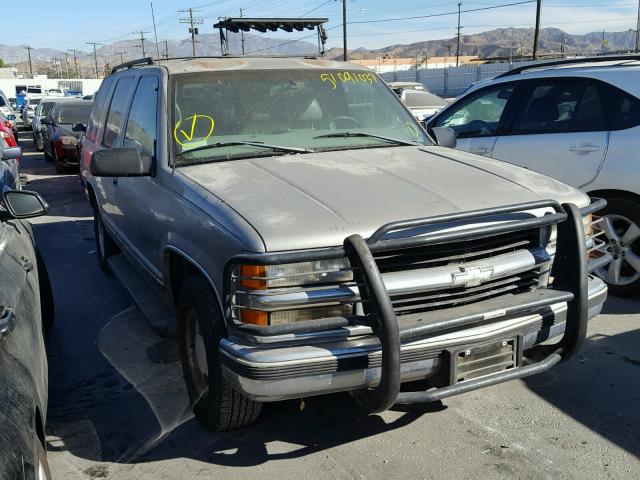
[
  {"x": 242, "y": 35},
  {"x": 638, "y": 30},
  {"x": 166, "y": 50},
  {"x": 345, "y": 55},
  {"x": 142, "y": 39},
  {"x": 458, "y": 47},
  {"x": 121, "y": 56},
  {"x": 192, "y": 29},
  {"x": 604, "y": 40},
  {"x": 536, "y": 36},
  {"x": 30, "y": 64},
  {"x": 66, "y": 63},
  {"x": 75, "y": 61},
  {"x": 95, "y": 55}
]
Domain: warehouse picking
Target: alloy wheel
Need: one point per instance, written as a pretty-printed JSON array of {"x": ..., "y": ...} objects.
[{"x": 623, "y": 244}]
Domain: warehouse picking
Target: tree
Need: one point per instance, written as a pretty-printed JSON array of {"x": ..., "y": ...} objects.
[{"x": 1, "y": 63}]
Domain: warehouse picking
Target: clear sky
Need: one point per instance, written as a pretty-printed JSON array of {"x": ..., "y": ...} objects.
[{"x": 67, "y": 25}]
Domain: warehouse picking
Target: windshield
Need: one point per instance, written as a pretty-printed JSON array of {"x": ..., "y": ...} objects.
[
  {"x": 74, "y": 113},
  {"x": 300, "y": 109}
]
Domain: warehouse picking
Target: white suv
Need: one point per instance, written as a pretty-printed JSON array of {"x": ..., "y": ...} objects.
[{"x": 576, "y": 120}]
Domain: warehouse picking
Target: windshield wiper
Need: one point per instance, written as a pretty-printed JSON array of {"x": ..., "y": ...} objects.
[
  {"x": 253, "y": 144},
  {"x": 365, "y": 134}
]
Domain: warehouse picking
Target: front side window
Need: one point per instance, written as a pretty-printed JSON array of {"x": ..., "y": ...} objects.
[
  {"x": 117, "y": 110},
  {"x": 141, "y": 126},
  {"x": 292, "y": 109},
  {"x": 559, "y": 107},
  {"x": 480, "y": 115}
]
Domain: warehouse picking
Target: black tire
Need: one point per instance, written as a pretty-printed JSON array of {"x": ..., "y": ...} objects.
[
  {"x": 41, "y": 465},
  {"x": 105, "y": 246},
  {"x": 47, "y": 304},
  {"x": 620, "y": 210},
  {"x": 215, "y": 402},
  {"x": 59, "y": 166},
  {"x": 47, "y": 155}
]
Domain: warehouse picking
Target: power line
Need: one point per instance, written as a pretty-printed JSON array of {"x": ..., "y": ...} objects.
[
  {"x": 317, "y": 8},
  {"x": 444, "y": 14}
]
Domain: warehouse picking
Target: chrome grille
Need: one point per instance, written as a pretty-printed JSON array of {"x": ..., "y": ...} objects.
[{"x": 458, "y": 254}]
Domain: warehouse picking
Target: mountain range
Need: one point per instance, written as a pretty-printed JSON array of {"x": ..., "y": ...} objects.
[{"x": 502, "y": 42}]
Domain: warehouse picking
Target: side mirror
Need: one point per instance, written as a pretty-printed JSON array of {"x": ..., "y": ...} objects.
[
  {"x": 445, "y": 136},
  {"x": 79, "y": 127},
  {"x": 119, "y": 162},
  {"x": 24, "y": 204},
  {"x": 11, "y": 153}
]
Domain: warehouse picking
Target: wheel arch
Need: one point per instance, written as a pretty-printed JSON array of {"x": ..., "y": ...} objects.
[
  {"x": 610, "y": 192},
  {"x": 177, "y": 267}
]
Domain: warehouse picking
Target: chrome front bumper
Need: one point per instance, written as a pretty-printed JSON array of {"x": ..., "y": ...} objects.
[{"x": 268, "y": 372}]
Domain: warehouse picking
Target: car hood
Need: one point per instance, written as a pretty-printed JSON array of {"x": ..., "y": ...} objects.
[
  {"x": 317, "y": 200},
  {"x": 64, "y": 129}
]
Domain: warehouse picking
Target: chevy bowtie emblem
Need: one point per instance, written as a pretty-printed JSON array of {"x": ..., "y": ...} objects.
[{"x": 471, "y": 277}]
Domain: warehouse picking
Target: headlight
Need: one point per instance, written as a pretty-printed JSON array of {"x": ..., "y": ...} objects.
[
  {"x": 289, "y": 293},
  {"x": 66, "y": 140}
]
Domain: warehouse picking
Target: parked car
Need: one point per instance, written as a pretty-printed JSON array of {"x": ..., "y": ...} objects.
[
  {"x": 29, "y": 111},
  {"x": 59, "y": 139},
  {"x": 407, "y": 86},
  {"x": 42, "y": 111},
  {"x": 577, "y": 121},
  {"x": 422, "y": 104},
  {"x": 9, "y": 113},
  {"x": 248, "y": 208},
  {"x": 25, "y": 309},
  {"x": 6, "y": 131}
]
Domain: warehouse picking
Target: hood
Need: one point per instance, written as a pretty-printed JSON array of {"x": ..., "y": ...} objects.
[
  {"x": 65, "y": 130},
  {"x": 317, "y": 200}
]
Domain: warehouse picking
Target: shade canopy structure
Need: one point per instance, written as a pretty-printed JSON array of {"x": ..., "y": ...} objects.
[{"x": 246, "y": 24}]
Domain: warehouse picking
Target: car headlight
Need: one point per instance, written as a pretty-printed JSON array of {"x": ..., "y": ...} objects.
[
  {"x": 288, "y": 293},
  {"x": 67, "y": 140}
]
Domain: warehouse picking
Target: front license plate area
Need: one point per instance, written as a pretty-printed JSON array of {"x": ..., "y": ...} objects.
[{"x": 482, "y": 360}]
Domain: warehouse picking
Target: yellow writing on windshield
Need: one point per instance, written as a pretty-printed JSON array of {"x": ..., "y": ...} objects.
[
  {"x": 348, "y": 77},
  {"x": 185, "y": 130},
  {"x": 413, "y": 129}
]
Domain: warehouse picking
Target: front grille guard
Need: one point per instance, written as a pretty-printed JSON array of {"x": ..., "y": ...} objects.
[{"x": 569, "y": 271}]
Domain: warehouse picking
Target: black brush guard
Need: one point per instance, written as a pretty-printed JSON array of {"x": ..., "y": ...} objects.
[{"x": 570, "y": 278}]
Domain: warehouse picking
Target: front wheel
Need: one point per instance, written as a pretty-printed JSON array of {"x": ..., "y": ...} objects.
[
  {"x": 621, "y": 225},
  {"x": 215, "y": 402},
  {"x": 105, "y": 246}
]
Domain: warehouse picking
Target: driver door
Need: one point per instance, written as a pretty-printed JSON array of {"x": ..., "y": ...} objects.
[{"x": 479, "y": 118}]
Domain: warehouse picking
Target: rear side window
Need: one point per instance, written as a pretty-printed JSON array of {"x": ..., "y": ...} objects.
[
  {"x": 623, "y": 109},
  {"x": 141, "y": 126},
  {"x": 100, "y": 104},
  {"x": 559, "y": 107},
  {"x": 117, "y": 110}
]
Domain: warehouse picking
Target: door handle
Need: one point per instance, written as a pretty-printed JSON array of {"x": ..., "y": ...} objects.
[
  {"x": 586, "y": 148},
  {"x": 7, "y": 322}
]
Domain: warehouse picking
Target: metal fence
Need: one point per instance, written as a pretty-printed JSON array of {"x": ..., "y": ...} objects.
[{"x": 452, "y": 81}]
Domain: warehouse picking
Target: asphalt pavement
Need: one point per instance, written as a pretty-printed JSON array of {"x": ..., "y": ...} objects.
[{"x": 118, "y": 410}]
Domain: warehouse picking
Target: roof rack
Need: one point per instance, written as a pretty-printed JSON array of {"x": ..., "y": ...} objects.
[
  {"x": 569, "y": 61},
  {"x": 245, "y": 24},
  {"x": 133, "y": 63}
]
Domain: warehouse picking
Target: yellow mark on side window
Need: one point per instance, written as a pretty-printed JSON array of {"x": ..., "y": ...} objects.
[
  {"x": 185, "y": 135},
  {"x": 348, "y": 77}
]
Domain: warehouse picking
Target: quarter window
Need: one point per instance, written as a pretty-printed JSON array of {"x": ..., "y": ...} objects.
[
  {"x": 480, "y": 115},
  {"x": 117, "y": 110},
  {"x": 560, "y": 107},
  {"x": 623, "y": 108},
  {"x": 141, "y": 126},
  {"x": 99, "y": 108}
]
